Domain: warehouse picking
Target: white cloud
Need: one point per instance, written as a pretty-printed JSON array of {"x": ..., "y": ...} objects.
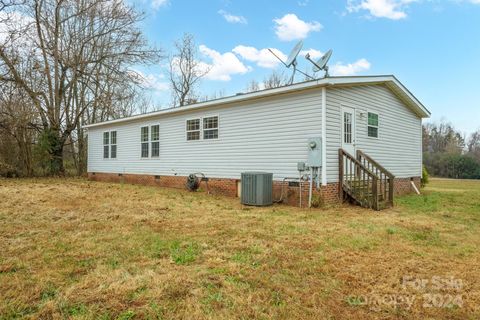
[
  {"x": 151, "y": 81},
  {"x": 232, "y": 18},
  {"x": 390, "y": 9},
  {"x": 223, "y": 65},
  {"x": 290, "y": 27},
  {"x": 157, "y": 4},
  {"x": 263, "y": 57},
  {"x": 314, "y": 54},
  {"x": 350, "y": 69}
]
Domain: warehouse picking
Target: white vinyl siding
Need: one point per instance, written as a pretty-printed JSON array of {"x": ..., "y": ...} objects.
[
  {"x": 268, "y": 134},
  {"x": 399, "y": 142}
]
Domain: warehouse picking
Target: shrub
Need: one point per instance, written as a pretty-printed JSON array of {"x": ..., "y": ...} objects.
[
  {"x": 425, "y": 177},
  {"x": 318, "y": 201},
  {"x": 7, "y": 171}
]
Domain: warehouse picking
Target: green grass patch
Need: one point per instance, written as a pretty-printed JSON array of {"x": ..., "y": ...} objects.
[
  {"x": 354, "y": 301},
  {"x": 76, "y": 310},
  {"x": 184, "y": 252},
  {"x": 49, "y": 292},
  {"x": 358, "y": 241},
  {"x": 247, "y": 256},
  {"x": 126, "y": 315}
]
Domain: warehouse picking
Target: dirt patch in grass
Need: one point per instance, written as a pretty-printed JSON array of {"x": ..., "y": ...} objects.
[{"x": 85, "y": 250}]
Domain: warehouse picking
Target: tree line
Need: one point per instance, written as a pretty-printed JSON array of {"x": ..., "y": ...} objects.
[{"x": 448, "y": 153}]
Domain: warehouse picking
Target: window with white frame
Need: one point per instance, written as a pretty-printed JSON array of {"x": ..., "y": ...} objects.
[
  {"x": 210, "y": 127},
  {"x": 110, "y": 144},
  {"x": 347, "y": 127},
  {"x": 113, "y": 144},
  {"x": 106, "y": 145},
  {"x": 193, "y": 129},
  {"x": 144, "y": 142},
  {"x": 150, "y": 141},
  {"x": 372, "y": 125},
  {"x": 155, "y": 141}
]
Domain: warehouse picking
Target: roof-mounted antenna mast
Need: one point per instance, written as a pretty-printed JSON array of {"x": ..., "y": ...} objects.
[
  {"x": 321, "y": 64},
  {"x": 292, "y": 59}
]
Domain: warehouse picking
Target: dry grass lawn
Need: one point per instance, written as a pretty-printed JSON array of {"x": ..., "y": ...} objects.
[{"x": 88, "y": 250}]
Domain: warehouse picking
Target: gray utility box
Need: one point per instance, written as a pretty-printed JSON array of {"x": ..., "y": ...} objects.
[
  {"x": 257, "y": 188},
  {"x": 315, "y": 152}
]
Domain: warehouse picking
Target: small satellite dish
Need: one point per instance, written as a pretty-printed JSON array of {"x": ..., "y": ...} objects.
[
  {"x": 321, "y": 64},
  {"x": 292, "y": 58}
]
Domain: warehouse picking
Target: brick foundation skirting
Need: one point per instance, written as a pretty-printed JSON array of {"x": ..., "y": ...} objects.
[
  {"x": 402, "y": 186},
  {"x": 229, "y": 187},
  {"x": 291, "y": 194}
]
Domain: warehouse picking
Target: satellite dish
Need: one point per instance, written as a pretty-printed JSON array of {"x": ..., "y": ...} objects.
[
  {"x": 292, "y": 58},
  {"x": 321, "y": 64}
]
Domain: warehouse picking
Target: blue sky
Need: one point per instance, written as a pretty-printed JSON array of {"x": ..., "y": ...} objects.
[{"x": 432, "y": 46}]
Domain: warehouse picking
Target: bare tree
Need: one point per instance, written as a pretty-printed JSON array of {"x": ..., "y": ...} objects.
[
  {"x": 18, "y": 124},
  {"x": 71, "y": 56},
  {"x": 308, "y": 75},
  {"x": 275, "y": 80},
  {"x": 474, "y": 144},
  {"x": 4, "y": 4},
  {"x": 185, "y": 72},
  {"x": 252, "y": 86},
  {"x": 442, "y": 137}
]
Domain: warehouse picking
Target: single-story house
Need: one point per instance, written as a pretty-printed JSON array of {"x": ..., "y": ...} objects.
[{"x": 372, "y": 124}]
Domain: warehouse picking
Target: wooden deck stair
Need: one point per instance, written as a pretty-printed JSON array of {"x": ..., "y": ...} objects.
[{"x": 364, "y": 181}]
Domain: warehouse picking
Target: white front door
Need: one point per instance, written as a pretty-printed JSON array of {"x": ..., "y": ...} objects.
[{"x": 348, "y": 130}]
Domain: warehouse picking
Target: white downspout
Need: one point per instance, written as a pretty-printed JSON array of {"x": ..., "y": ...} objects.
[{"x": 324, "y": 136}]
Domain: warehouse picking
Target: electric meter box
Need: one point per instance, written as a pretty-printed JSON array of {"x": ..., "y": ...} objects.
[
  {"x": 301, "y": 166},
  {"x": 314, "y": 146}
]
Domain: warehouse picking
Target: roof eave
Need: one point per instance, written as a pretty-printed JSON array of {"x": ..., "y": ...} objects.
[
  {"x": 403, "y": 92},
  {"x": 220, "y": 101},
  {"x": 410, "y": 99}
]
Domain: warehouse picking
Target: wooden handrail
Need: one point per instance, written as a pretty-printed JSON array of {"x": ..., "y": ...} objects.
[
  {"x": 348, "y": 155},
  {"x": 357, "y": 180},
  {"x": 361, "y": 154},
  {"x": 386, "y": 185},
  {"x": 364, "y": 180}
]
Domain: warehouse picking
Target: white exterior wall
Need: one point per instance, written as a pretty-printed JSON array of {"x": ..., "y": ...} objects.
[
  {"x": 399, "y": 144},
  {"x": 268, "y": 134}
]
